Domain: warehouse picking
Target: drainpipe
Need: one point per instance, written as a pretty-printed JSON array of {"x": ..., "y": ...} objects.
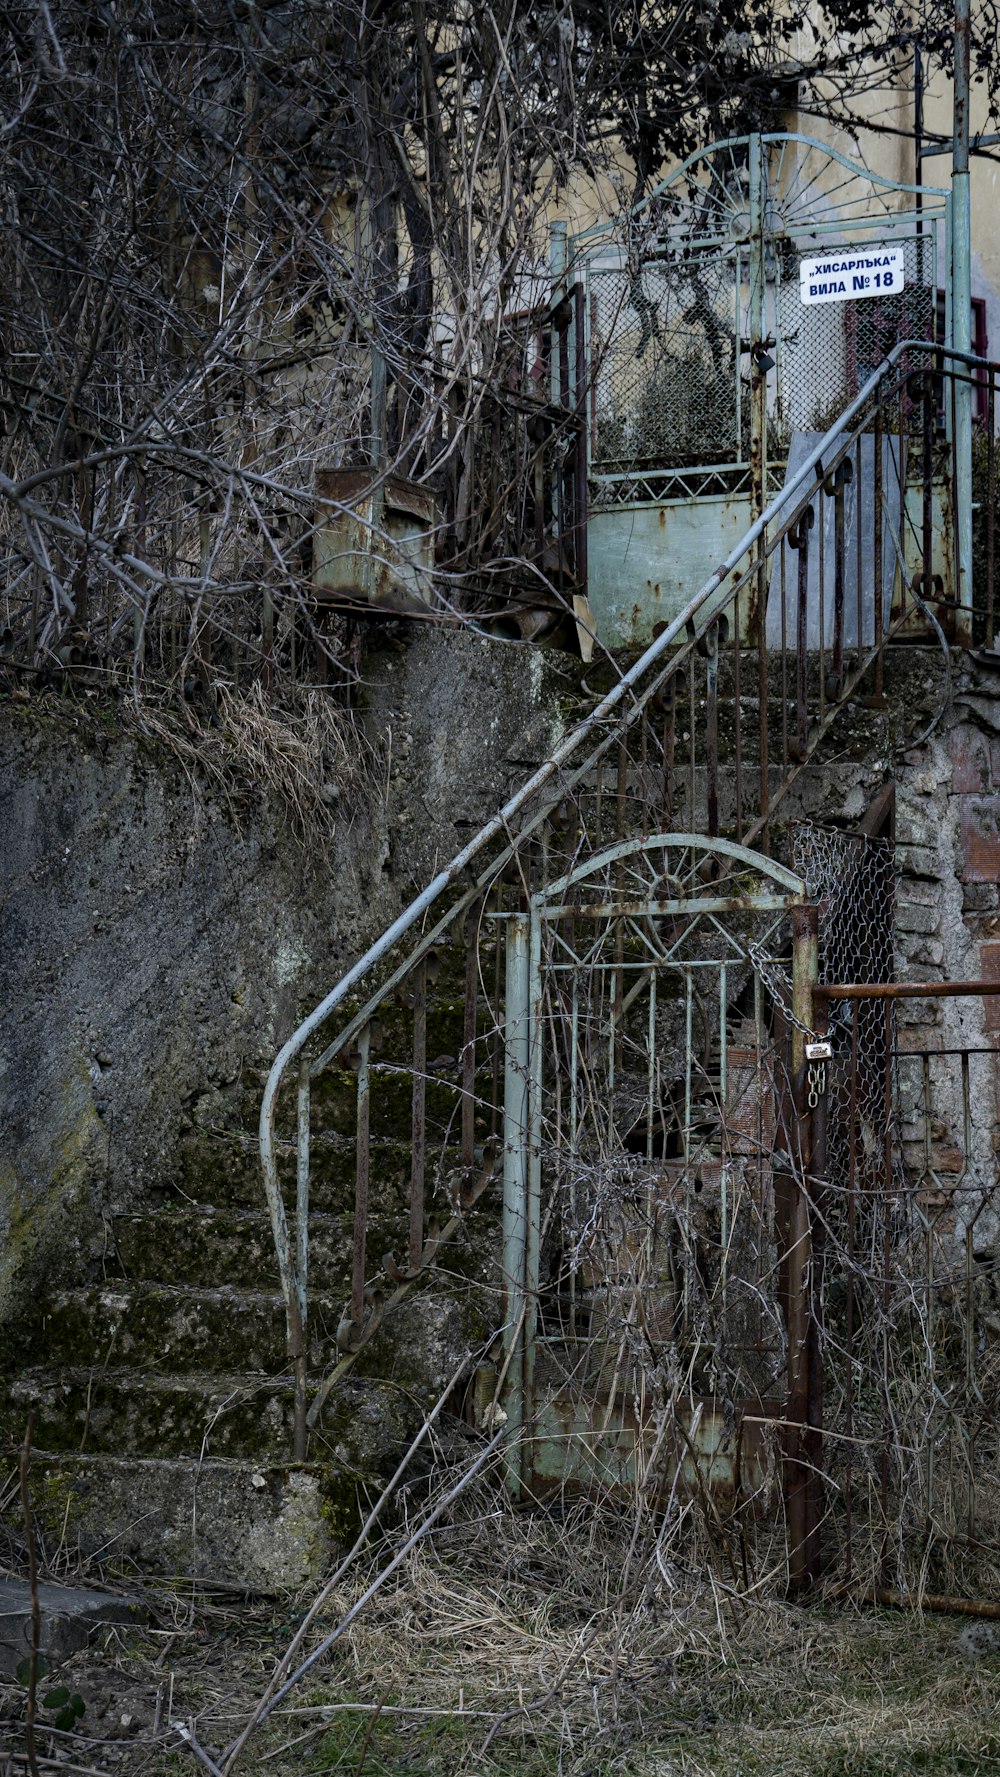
[
  {"x": 961, "y": 309},
  {"x": 918, "y": 131},
  {"x": 802, "y": 1354}
]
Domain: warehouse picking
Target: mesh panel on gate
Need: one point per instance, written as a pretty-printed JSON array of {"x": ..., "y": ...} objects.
[
  {"x": 827, "y": 351},
  {"x": 663, "y": 350}
]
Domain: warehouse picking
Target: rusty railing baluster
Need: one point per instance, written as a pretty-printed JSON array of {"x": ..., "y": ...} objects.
[{"x": 712, "y": 728}]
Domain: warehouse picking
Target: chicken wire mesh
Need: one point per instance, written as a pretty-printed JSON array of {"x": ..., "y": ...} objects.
[
  {"x": 827, "y": 351},
  {"x": 906, "y": 1251},
  {"x": 664, "y": 356}
]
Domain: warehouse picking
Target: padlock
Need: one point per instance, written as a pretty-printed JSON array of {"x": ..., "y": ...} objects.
[{"x": 821, "y": 1049}]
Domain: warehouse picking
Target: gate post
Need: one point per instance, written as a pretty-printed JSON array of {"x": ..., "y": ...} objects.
[
  {"x": 517, "y": 1059},
  {"x": 803, "y": 1506}
]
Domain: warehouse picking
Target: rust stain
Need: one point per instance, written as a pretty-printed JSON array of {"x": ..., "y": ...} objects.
[
  {"x": 974, "y": 756},
  {"x": 980, "y": 838}
]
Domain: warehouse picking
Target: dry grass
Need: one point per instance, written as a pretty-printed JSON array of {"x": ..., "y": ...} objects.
[
  {"x": 548, "y": 1643},
  {"x": 307, "y": 757}
]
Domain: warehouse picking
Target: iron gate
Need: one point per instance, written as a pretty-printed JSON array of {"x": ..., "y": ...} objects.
[
  {"x": 703, "y": 361},
  {"x": 654, "y": 1174},
  {"x": 693, "y": 309}
]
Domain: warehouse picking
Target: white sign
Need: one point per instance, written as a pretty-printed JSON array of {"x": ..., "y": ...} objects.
[{"x": 849, "y": 274}]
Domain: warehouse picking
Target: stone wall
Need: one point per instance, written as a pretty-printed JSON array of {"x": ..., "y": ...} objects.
[
  {"x": 158, "y": 946},
  {"x": 948, "y": 929}
]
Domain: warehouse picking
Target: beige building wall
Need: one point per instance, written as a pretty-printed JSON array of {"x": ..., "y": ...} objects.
[{"x": 883, "y": 141}]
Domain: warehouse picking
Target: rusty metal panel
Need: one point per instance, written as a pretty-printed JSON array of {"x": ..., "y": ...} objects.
[
  {"x": 374, "y": 544},
  {"x": 644, "y": 559},
  {"x": 980, "y": 838}
]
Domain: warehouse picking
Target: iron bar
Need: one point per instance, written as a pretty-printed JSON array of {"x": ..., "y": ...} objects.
[
  {"x": 797, "y": 1491},
  {"x": 300, "y": 1433},
  {"x": 961, "y": 283},
  {"x": 712, "y": 729},
  {"x": 737, "y": 717},
  {"x": 903, "y": 990},
  {"x": 517, "y": 1058},
  {"x": 799, "y": 540}
]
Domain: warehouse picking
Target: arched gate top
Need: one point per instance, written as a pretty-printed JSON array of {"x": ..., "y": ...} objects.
[
  {"x": 801, "y": 193},
  {"x": 739, "y": 858}
]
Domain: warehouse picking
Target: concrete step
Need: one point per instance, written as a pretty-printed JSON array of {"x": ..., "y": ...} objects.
[
  {"x": 226, "y": 1170},
  {"x": 365, "y": 1426},
  {"x": 164, "y": 1330},
  {"x": 212, "y": 1246},
  {"x": 271, "y": 1527},
  {"x": 176, "y": 1329}
]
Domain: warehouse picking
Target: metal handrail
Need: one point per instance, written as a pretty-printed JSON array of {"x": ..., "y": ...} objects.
[{"x": 693, "y": 622}]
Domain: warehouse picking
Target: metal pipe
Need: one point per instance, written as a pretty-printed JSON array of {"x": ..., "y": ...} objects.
[
  {"x": 903, "y": 990},
  {"x": 515, "y": 1183},
  {"x": 805, "y": 928},
  {"x": 300, "y": 1433},
  {"x": 758, "y": 377},
  {"x": 712, "y": 729},
  {"x": 580, "y": 444},
  {"x": 361, "y": 1181},
  {"x": 418, "y": 1119}
]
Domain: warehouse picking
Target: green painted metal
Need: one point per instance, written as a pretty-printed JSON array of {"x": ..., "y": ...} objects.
[{"x": 642, "y": 557}]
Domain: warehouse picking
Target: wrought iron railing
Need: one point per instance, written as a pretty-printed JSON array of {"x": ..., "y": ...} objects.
[{"x": 705, "y": 733}]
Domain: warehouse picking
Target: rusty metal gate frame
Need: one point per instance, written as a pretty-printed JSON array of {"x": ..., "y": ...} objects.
[{"x": 755, "y": 885}]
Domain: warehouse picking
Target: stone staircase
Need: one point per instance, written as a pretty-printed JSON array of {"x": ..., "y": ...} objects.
[{"x": 159, "y": 1383}]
